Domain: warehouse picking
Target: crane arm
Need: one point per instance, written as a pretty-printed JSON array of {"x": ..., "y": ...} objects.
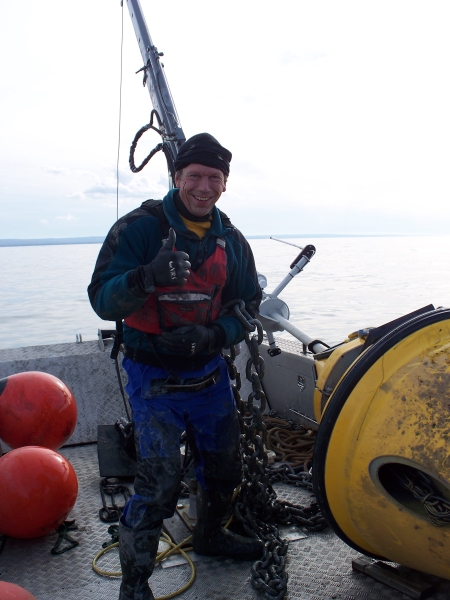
[{"x": 154, "y": 78}]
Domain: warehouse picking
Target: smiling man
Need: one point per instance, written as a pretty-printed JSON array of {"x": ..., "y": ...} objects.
[
  {"x": 167, "y": 269},
  {"x": 200, "y": 188}
]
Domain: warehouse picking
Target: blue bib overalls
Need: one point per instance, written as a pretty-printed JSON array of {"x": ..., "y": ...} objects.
[{"x": 210, "y": 420}]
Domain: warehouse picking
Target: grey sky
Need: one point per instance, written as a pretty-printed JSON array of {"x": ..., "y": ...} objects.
[{"x": 336, "y": 112}]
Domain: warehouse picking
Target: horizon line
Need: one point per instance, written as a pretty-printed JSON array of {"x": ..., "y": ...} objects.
[{"x": 11, "y": 242}]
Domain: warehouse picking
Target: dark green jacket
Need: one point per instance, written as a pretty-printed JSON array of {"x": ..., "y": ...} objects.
[{"x": 135, "y": 240}]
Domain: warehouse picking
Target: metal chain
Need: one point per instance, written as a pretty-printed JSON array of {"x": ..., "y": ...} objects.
[
  {"x": 112, "y": 487},
  {"x": 256, "y": 505},
  {"x": 292, "y": 475},
  {"x": 437, "y": 506}
]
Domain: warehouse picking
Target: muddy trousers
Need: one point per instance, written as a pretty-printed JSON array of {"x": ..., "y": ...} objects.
[{"x": 210, "y": 420}]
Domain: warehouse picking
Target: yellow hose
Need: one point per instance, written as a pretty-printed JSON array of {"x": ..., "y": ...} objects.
[{"x": 173, "y": 549}]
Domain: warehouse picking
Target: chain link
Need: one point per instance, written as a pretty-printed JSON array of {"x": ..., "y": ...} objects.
[
  {"x": 112, "y": 487},
  {"x": 292, "y": 475},
  {"x": 419, "y": 485},
  {"x": 256, "y": 505}
]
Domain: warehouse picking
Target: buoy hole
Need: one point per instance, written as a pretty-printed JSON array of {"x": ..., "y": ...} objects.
[{"x": 416, "y": 491}]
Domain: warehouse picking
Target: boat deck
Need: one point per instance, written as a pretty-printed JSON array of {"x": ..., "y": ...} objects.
[{"x": 319, "y": 565}]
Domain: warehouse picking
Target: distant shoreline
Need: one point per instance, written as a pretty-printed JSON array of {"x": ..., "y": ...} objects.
[
  {"x": 100, "y": 239},
  {"x": 52, "y": 241}
]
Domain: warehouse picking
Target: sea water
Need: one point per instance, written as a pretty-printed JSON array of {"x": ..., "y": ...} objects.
[{"x": 350, "y": 283}]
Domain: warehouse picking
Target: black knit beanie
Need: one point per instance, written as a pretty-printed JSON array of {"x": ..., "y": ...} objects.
[{"x": 203, "y": 149}]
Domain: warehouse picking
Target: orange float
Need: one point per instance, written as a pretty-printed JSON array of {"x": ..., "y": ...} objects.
[
  {"x": 36, "y": 409},
  {"x": 38, "y": 489},
  {"x": 11, "y": 591}
]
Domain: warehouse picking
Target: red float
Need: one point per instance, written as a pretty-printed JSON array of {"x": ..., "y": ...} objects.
[
  {"x": 11, "y": 591},
  {"x": 38, "y": 489},
  {"x": 36, "y": 409}
]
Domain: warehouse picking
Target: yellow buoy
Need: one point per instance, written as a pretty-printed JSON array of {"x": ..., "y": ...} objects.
[{"x": 382, "y": 454}]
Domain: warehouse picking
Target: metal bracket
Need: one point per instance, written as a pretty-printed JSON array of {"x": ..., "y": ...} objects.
[{"x": 393, "y": 578}]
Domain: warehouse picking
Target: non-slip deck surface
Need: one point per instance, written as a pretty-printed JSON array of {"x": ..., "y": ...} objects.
[{"x": 319, "y": 565}]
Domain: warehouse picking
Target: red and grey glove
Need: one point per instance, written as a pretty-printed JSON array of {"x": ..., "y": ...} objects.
[{"x": 192, "y": 339}]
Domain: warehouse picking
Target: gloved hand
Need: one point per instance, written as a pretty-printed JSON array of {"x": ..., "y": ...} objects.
[
  {"x": 192, "y": 339},
  {"x": 169, "y": 267}
]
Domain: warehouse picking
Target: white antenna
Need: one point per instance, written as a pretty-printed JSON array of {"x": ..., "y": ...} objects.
[{"x": 288, "y": 243}]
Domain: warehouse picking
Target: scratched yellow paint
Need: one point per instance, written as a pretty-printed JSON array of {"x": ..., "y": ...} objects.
[{"x": 398, "y": 412}]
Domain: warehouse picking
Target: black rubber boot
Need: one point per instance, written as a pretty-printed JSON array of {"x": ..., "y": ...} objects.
[
  {"x": 209, "y": 538},
  {"x": 137, "y": 552}
]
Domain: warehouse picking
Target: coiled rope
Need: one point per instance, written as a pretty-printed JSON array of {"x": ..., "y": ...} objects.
[{"x": 290, "y": 442}]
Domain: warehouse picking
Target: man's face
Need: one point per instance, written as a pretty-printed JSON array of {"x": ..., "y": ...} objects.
[{"x": 200, "y": 188}]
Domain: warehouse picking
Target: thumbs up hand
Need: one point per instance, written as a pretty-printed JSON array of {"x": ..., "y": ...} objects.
[{"x": 170, "y": 267}]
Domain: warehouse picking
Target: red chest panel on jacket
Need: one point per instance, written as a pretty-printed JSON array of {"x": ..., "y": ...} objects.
[{"x": 197, "y": 301}]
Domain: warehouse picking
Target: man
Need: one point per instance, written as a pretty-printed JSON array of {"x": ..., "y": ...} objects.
[{"x": 167, "y": 269}]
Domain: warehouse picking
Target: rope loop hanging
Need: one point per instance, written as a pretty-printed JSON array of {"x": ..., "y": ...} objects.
[{"x": 161, "y": 146}]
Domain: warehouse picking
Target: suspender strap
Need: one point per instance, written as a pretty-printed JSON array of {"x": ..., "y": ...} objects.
[{"x": 118, "y": 340}]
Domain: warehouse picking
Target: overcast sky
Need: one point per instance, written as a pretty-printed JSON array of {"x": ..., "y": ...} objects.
[{"x": 336, "y": 112}]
